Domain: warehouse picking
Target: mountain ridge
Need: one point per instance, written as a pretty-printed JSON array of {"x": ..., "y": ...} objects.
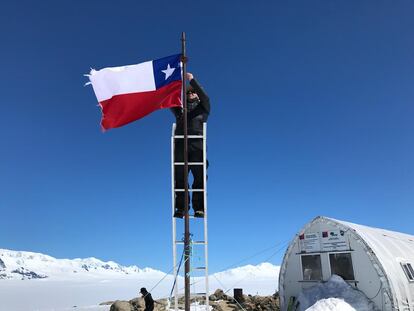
[{"x": 29, "y": 265}]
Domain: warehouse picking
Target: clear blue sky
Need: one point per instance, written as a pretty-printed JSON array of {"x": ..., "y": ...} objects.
[{"x": 312, "y": 114}]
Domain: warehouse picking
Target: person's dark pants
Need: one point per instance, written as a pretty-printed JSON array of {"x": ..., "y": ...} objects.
[{"x": 195, "y": 154}]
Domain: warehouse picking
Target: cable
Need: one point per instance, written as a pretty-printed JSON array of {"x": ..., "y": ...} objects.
[
  {"x": 254, "y": 255},
  {"x": 231, "y": 297},
  {"x": 240, "y": 261},
  {"x": 166, "y": 274},
  {"x": 268, "y": 258},
  {"x": 377, "y": 292},
  {"x": 285, "y": 243},
  {"x": 176, "y": 275},
  {"x": 273, "y": 254}
]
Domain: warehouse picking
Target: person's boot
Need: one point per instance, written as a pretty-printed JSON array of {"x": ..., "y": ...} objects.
[
  {"x": 178, "y": 213},
  {"x": 198, "y": 205},
  {"x": 179, "y": 205}
]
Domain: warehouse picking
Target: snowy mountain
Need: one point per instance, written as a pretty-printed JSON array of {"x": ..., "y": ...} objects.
[
  {"x": 262, "y": 270},
  {"x": 90, "y": 281},
  {"x": 28, "y": 265}
]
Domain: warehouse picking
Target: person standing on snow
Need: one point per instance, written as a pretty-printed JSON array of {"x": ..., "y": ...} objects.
[{"x": 149, "y": 302}]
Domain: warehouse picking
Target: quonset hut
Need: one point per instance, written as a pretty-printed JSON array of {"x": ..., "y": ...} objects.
[{"x": 378, "y": 262}]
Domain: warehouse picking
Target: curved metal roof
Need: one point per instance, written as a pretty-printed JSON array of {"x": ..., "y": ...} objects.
[{"x": 392, "y": 249}]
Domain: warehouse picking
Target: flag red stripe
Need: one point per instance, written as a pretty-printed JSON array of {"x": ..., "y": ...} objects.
[{"x": 123, "y": 109}]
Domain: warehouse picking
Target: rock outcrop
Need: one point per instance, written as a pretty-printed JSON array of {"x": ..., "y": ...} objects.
[
  {"x": 2, "y": 265},
  {"x": 261, "y": 303},
  {"x": 120, "y": 305},
  {"x": 27, "y": 274},
  {"x": 219, "y": 301},
  {"x": 3, "y": 274},
  {"x": 222, "y": 302},
  {"x": 219, "y": 295}
]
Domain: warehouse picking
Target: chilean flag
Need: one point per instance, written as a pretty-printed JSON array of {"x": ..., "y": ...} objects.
[{"x": 129, "y": 93}]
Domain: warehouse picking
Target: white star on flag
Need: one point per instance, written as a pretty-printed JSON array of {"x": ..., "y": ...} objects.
[{"x": 168, "y": 72}]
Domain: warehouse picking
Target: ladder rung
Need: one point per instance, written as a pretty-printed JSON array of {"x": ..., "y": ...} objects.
[
  {"x": 189, "y": 163},
  {"x": 199, "y": 268},
  {"x": 190, "y": 216},
  {"x": 194, "y": 242},
  {"x": 189, "y": 136},
  {"x": 193, "y": 217},
  {"x": 189, "y": 190}
]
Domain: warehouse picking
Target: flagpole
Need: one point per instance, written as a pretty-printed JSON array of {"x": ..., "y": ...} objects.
[{"x": 186, "y": 208}]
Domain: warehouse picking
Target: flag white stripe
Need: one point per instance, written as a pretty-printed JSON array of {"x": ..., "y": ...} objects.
[{"x": 109, "y": 82}]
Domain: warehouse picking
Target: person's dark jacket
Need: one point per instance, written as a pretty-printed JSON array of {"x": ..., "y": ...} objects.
[
  {"x": 197, "y": 113},
  {"x": 149, "y": 302}
]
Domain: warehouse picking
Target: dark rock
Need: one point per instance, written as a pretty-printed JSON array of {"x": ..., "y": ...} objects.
[
  {"x": 216, "y": 306},
  {"x": 137, "y": 304},
  {"x": 219, "y": 301},
  {"x": 268, "y": 303},
  {"x": 212, "y": 297},
  {"x": 4, "y": 276},
  {"x": 120, "y": 305},
  {"x": 220, "y": 295},
  {"x": 2, "y": 265},
  {"x": 249, "y": 306},
  {"x": 251, "y": 303},
  {"x": 27, "y": 274}
]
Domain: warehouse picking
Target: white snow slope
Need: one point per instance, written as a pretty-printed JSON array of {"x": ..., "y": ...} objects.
[{"x": 33, "y": 281}]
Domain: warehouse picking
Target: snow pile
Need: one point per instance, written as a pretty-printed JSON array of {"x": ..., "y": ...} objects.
[
  {"x": 331, "y": 304},
  {"x": 316, "y": 298},
  {"x": 197, "y": 307}
]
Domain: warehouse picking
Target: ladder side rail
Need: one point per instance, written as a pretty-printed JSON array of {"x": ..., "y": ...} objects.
[
  {"x": 205, "y": 211},
  {"x": 204, "y": 190},
  {"x": 174, "y": 229}
]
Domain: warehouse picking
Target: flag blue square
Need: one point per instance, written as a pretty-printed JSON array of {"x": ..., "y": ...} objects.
[{"x": 167, "y": 70}]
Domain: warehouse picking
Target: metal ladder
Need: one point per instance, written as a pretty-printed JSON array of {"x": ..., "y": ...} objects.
[{"x": 176, "y": 241}]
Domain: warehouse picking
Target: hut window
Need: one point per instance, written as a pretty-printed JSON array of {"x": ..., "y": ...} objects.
[
  {"x": 311, "y": 267},
  {"x": 409, "y": 272},
  {"x": 341, "y": 264}
]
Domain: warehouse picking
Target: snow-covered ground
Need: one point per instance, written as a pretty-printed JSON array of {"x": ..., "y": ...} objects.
[
  {"x": 37, "y": 282},
  {"x": 32, "y": 281}
]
